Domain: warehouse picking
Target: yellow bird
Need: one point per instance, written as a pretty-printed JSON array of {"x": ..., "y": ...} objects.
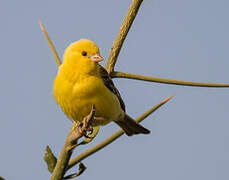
[{"x": 81, "y": 82}]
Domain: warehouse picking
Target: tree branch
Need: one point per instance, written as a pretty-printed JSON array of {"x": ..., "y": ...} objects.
[
  {"x": 134, "y": 76},
  {"x": 164, "y": 80},
  {"x": 70, "y": 143},
  {"x": 63, "y": 159},
  {"x": 121, "y": 36},
  {"x": 113, "y": 137}
]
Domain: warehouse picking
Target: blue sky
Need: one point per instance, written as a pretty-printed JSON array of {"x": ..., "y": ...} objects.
[{"x": 185, "y": 40}]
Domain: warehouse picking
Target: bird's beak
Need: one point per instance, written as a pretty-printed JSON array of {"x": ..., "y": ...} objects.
[{"x": 96, "y": 58}]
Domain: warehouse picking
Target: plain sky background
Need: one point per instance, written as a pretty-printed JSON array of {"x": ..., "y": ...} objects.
[{"x": 179, "y": 39}]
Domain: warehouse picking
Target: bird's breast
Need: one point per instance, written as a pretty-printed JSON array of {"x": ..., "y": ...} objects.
[{"x": 76, "y": 98}]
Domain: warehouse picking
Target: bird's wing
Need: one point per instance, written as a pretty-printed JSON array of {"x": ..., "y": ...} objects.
[{"x": 110, "y": 85}]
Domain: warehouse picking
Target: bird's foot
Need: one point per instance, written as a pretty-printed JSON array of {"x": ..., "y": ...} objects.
[{"x": 86, "y": 132}]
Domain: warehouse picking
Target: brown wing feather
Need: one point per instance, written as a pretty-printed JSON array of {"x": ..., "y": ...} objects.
[
  {"x": 110, "y": 85},
  {"x": 129, "y": 126}
]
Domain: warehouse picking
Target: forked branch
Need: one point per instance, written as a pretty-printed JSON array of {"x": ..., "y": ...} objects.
[
  {"x": 70, "y": 143},
  {"x": 63, "y": 164}
]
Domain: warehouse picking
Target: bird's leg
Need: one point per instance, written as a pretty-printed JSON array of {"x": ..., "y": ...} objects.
[{"x": 86, "y": 126}]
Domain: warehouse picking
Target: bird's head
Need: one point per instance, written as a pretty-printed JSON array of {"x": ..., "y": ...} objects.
[{"x": 83, "y": 55}]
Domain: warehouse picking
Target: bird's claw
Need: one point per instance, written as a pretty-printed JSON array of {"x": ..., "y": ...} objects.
[{"x": 85, "y": 131}]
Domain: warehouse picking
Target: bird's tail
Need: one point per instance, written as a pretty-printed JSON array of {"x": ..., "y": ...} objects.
[{"x": 131, "y": 127}]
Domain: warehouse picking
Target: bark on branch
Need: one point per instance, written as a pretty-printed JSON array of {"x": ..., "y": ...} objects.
[{"x": 121, "y": 36}]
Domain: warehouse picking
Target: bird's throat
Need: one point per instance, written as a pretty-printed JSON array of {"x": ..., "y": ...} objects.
[{"x": 76, "y": 73}]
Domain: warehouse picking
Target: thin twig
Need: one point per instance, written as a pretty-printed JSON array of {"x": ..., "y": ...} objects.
[
  {"x": 121, "y": 36},
  {"x": 164, "y": 80},
  {"x": 50, "y": 44},
  {"x": 113, "y": 137}
]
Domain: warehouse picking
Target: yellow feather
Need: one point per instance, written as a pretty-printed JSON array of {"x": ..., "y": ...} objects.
[{"x": 78, "y": 85}]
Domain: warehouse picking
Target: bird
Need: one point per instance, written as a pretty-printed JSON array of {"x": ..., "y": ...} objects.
[{"x": 81, "y": 82}]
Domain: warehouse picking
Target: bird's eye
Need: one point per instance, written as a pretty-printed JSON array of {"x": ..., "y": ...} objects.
[{"x": 84, "y": 53}]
